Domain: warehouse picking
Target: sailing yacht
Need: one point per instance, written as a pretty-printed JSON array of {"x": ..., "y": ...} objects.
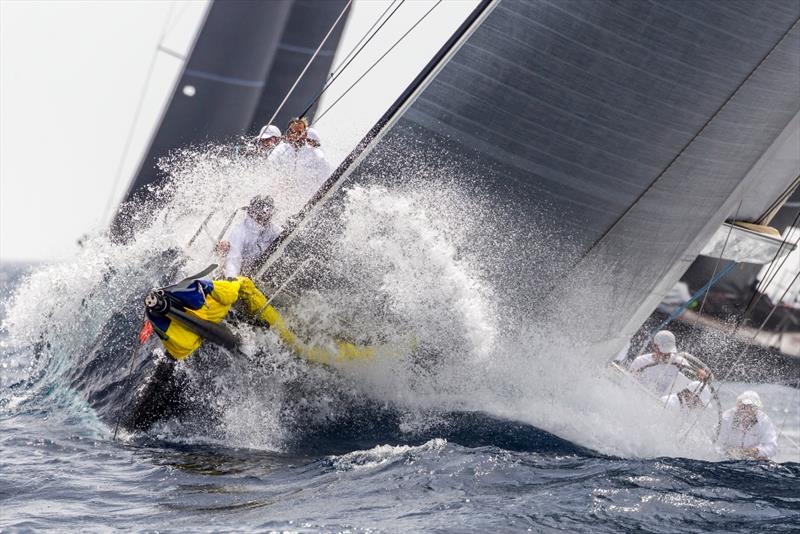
[{"x": 620, "y": 137}]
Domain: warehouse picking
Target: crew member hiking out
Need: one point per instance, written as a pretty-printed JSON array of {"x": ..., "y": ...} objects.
[
  {"x": 185, "y": 317},
  {"x": 250, "y": 237}
]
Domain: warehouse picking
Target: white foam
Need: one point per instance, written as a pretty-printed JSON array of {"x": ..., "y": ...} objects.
[{"x": 384, "y": 454}]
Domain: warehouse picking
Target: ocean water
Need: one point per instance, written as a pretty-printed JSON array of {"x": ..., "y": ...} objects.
[
  {"x": 486, "y": 429},
  {"x": 485, "y": 475}
]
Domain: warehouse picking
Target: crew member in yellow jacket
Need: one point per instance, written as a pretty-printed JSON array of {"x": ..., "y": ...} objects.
[
  {"x": 212, "y": 300},
  {"x": 187, "y": 315}
]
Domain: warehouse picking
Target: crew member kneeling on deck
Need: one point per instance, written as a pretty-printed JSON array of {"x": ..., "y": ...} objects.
[{"x": 746, "y": 432}]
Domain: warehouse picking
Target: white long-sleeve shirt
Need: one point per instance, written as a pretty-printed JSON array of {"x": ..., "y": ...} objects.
[
  {"x": 302, "y": 171},
  {"x": 248, "y": 240},
  {"x": 661, "y": 377},
  {"x": 761, "y": 435}
]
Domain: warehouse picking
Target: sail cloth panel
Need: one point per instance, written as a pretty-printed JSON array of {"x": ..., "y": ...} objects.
[
  {"x": 713, "y": 175},
  {"x": 631, "y": 124},
  {"x": 309, "y": 22},
  {"x": 226, "y": 70},
  {"x": 586, "y": 104}
]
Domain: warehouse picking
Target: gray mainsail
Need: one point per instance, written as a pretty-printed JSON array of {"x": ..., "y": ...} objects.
[{"x": 629, "y": 126}]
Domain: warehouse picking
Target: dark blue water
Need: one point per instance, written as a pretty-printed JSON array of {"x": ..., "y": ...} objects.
[
  {"x": 360, "y": 466},
  {"x": 60, "y": 478}
]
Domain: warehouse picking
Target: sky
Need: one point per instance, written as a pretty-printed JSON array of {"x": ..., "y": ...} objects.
[{"x": 81, "y": 80}]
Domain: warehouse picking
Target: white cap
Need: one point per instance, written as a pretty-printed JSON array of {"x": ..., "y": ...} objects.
[
  {"x": 749, "y": 398},
  {"x": 312, "y": 134},
  {"x": 665, "y": 341},
  {"x": 268, "y": 131}
]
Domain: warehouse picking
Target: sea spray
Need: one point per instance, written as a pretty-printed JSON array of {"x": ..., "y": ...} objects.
[{"x": 432, "y": 269}]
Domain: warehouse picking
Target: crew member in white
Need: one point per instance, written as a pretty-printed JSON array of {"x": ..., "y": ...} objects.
[
  {"x": 250, "y": 237},
  {"x": 300, "y": 162},
  {"x": 311, "y": 159},
  {"x": 660, "y": 370},
  {"x": 746, "y": 432}
]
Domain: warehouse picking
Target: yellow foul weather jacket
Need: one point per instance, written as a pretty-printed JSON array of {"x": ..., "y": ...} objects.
[{"x": 180, "y": 341}]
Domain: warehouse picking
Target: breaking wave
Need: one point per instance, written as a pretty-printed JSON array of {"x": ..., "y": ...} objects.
[{"x": 385, "y": 454}]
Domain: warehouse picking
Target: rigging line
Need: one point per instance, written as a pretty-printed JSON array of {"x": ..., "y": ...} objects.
[
  {"x": 347, "y": 60},
  {"x": 764, "y": 322},
  {"x": 786, "y": 257},
  {"x": 310, "y": 61},
  {"x": 358, "y": 44},
  {"x": 227, "y": 225},
  {"x": 719, "y": 259},
  {"x": 173, "y": 53},
  {"x": 758, "y": 290},
  {"x": 200, "y": 228},
  {"x": 179, "y": 15},
  {"x": 780, "y": 201},
  {"x": 769, "y": 274},
  {"x": 775, "y": 273},
  {"x": 685, "y": 306},
  {"x": 377, "y": 61},
  {"x": 137, "y": 113},
  {"x": 286, "y": 283}
]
